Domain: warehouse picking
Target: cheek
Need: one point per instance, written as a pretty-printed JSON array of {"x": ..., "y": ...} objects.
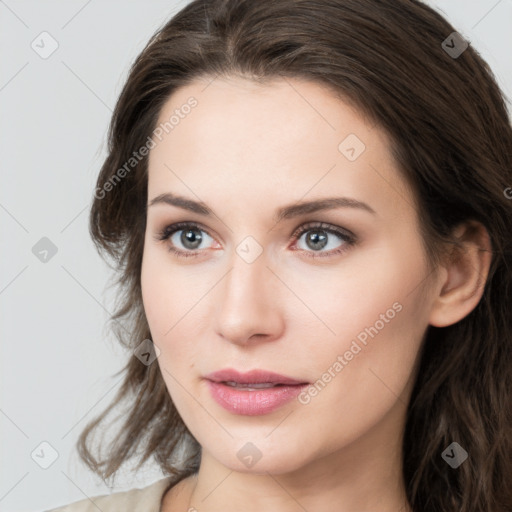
[
  {"x": 369, "y": 294},
  {"x": 367, "y": 344},
  {"x": 364, "y": 372},
  {"x": 158, "y": 288},
  {"x": 154, "y": 297},
  {"x": 167, "y": 292},
  {"x": 171, "y": 299}
]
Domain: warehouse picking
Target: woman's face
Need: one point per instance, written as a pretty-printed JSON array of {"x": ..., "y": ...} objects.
[{"x": 257, "y": 284}]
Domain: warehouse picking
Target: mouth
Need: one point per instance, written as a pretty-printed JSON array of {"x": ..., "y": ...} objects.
[
  {"x": 253, "y": 380},
  {"x": 254, "y": 386},
  {"x": 253, "y": 393}
]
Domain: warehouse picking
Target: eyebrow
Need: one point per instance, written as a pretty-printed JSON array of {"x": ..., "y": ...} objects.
[{"x": 285, "y": 212}]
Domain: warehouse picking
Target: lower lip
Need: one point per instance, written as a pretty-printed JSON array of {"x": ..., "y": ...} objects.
[{"x": 255, "y": 402}]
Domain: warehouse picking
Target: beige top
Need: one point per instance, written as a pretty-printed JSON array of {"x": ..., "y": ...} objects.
[{"x": 147, "y": 499}]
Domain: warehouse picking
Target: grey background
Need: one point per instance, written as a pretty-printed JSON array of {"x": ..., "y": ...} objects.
[{"x": 57, "y": 356}]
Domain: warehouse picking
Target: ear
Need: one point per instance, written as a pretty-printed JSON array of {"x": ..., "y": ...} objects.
[{"x": 463, "y": 275}]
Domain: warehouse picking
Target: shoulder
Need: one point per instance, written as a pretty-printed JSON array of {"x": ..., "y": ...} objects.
[{"x": 145, "y": 499}]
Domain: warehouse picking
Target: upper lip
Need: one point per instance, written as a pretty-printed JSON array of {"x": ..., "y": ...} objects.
[{"x": 252, "y": 377}]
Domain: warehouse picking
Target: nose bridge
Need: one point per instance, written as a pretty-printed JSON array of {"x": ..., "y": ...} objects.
[
  {"x": 247, "y": 302},
  {"x": 248, "y": 270},
  {"x": 247, "y": 281}
]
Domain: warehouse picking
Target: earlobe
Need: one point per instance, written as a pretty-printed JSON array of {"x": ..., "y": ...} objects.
[{"x": 466, "y": 269}]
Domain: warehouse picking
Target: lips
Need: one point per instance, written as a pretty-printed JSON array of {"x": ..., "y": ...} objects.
[
  {"x": 255, "y": 379},
  {"x": 253, "y": 393}
]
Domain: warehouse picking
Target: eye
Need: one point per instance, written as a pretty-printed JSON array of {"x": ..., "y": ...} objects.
[
  {"x": 191, "y": 236},
  {"x": 188, "y": 235},
  {"x": 319, "y": 236}
]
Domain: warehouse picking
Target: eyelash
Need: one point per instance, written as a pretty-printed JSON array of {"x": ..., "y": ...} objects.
[{"x": 347, "y": 237}]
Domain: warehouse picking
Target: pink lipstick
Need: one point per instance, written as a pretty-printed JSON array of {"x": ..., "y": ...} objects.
[{"x": 252, "y": 393}]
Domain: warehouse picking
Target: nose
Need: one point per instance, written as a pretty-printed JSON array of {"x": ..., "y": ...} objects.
[{"x": 249, "y": 309}]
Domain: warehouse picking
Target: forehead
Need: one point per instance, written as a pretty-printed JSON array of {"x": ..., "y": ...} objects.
[{"x": 282, "y": 140}]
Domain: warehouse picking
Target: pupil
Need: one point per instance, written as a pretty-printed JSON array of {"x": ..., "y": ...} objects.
[{"x": 316, "y": 240}]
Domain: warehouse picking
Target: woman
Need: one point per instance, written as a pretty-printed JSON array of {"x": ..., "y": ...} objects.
[{"x": 309, "y": 204}]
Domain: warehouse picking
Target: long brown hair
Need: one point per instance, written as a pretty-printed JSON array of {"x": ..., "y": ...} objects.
[{"x": 452, "y": 140}]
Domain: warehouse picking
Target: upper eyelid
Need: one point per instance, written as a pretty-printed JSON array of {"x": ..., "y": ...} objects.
[
  {"x": 299, "y": 231},
  {"x": 325, "y": 226},
  {"x": 179, "y": 226}
]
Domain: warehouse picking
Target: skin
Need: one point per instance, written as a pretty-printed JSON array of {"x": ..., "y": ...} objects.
[{"x": 246, "y": 150}]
